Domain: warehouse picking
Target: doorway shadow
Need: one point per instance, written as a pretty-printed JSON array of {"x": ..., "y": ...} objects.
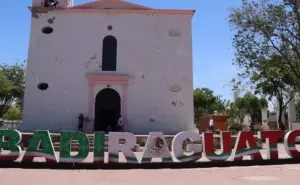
[{"x": 107, "y": 110}]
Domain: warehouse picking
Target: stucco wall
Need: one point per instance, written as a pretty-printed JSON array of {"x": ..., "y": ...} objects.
[{"x": 146, "y": 52}]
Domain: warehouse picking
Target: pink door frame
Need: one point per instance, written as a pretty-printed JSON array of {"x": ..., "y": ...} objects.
[{"x": 107, "y": 79}]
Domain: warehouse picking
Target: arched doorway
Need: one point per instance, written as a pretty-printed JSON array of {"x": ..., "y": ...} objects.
[{"x": 107, "y": 109}]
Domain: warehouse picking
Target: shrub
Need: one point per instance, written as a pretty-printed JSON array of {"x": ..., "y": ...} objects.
[{"x": 234, "y": 127}]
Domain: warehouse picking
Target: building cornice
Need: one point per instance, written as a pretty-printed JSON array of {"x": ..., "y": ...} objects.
[{"x": 36, "y": 10}]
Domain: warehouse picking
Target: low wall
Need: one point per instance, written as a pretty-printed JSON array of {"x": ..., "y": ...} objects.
[
  {"x": 5, "y": 124},
  {"x": 220, "y": 123}
]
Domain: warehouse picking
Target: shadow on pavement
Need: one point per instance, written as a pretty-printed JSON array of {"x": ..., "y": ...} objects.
[{"x": 122, "y": 166}]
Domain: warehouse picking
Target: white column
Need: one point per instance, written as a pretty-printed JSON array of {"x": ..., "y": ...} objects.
[
  {"x": 235, "y": 94},
  {"x": 264, "y": 117},
  {"x": 292, "y": 112},
  {"x": 65, "y": 3}
]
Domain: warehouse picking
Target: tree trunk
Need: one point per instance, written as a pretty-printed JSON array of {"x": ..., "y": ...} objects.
[{"x": 279, "y": 121}]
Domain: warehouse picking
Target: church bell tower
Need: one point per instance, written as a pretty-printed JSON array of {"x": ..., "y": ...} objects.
[{"x": 52, "y": 3}]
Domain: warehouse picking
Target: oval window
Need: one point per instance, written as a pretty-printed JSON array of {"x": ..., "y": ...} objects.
[
  {"x": 43, "y": 86},
  {"x": 174, "y": 33},
  {"x": 47, "y": 30},
  {"x": 175, "y": 88}
]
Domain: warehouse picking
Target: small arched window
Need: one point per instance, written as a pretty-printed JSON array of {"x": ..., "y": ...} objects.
[{"x": 109, "y": 54}]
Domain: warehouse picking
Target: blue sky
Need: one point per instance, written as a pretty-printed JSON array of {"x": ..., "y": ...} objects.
[{"x": 212, "y": 50}]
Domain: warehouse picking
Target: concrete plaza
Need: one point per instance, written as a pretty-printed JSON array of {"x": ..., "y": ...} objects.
[{"x": 267, "y": 175}]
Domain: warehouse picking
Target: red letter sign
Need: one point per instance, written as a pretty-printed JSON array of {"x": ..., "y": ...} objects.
[
  {"x": 271, "y": 137},
  {"x": 241, "y": 149},
  {"x": 289, "y": 143},
  {"x": 225, "y": 141}
]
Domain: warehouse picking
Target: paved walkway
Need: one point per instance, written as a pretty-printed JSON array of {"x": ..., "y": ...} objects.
[{"x": 265, "y": 175}]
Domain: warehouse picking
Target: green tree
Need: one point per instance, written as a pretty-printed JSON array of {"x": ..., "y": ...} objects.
[
  {"x": 235, "y": 122},
  {"x": 205, "y": 102},
  {"x": 249, "y": 104},
  {"x": 264, "y": 29},
  {"x": 12, "y": 83},
  {"x": 13, "y": 113},
  {"x": 271, "y": 80}
]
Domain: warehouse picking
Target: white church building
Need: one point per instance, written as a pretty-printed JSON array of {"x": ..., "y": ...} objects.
[{"x": 106, "y": 59}]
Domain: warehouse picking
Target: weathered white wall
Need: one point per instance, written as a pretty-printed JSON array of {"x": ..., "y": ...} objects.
[{"x": 145, "y": 51}]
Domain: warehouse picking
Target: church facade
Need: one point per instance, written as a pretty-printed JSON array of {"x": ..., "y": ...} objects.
[{"x": 107, "y": 59}]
